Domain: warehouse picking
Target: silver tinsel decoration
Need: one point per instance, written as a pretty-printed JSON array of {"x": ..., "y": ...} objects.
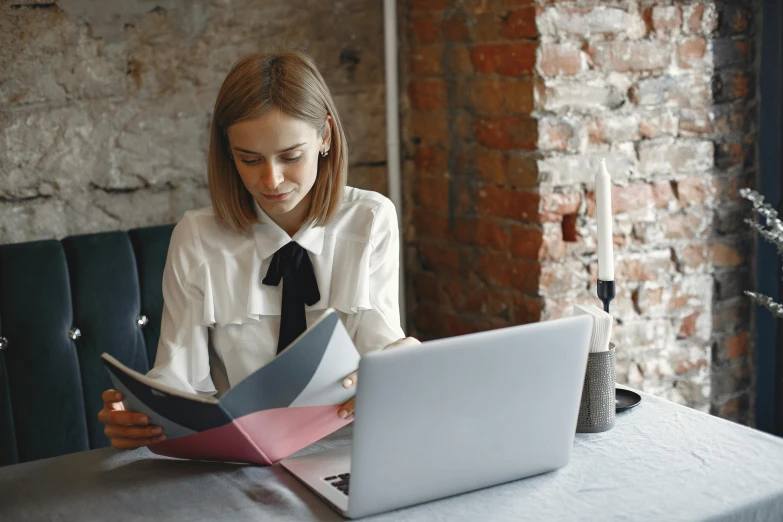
[{"x": 772, "y": 231}]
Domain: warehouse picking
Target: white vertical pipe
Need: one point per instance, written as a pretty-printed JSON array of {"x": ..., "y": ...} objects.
[{"x": 393, "y": 129}]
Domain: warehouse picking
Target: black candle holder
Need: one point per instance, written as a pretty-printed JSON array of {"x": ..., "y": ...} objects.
[{"x": 606, "y": 293}]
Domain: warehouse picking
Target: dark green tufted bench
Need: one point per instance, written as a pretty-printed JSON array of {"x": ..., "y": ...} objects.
[{"x": 63, "y": 303}]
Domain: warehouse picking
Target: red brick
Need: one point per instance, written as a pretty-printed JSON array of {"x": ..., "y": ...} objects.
[
  {"x": 661, "y": 125},
  {"x": 739, "y": 20},
  {"x": 695, "y": 122},
  {"x": 430, "y": 160},
  {"x": 590, "y": 199},
  {"x": 700, "y": 18},
  {"x": 663, "y": 194},
  {"x": 487, "y": 27},
  {"x": 555, "y": 206},
  {"x": 455, "y": 29},
  {"x": 678, "y": 299},
  {"x": 526, "y": 242},
  {"x": 730, "y": 118},
  {"x": 732, "y": 53},
  {"x": 426, "y": 5},
  {"x": 480, "y": 232},
  {"x": 666, "y": 19},
  {"x": 517, "y": 59},
  {"x": 439, "y": 258},
  {"x": 426, "y": 285},
  {"x": 595, "y": 131},
  {"x": 426, "y": 96},
  {"x": 457, "y": 59},
  {"x": 485, "y": 58},
  {"x": 460, "y": 167},
  {"x": 487, "y": 95},
  {"x": 425, "y": 31},
  {"x": 737, "y": 345},
  {"x": 649, "y": 268},
  {"x": 691, "y": 53},
  {"x": 730, "y": 155},
  {"x": 426, "y": 319},
  {"x": 491, "y": 165},
  {"x": 692, "y": 191},
  {"x": 553, "y": 247},
  {"x": 509, "y": 203},
  {"x": 554, "y": 134},
  {"x": 730, "y": 315},
  {"x": 455, "y": 289},
  {"x": 463, "y": 200},
  {"x": 632, "y": 197},
  {"x": 432, "y": 129},
  {"x": 694, "y": 20},
  {"x": 628, "y": 56},
  {"x": 518, "y": 97},
  {"x": 426, "y": 61},
  {"x": 560, "y": 59},
  {"x": 486, "y": 302},
  {"x": 507, "y": 133},
  {"x": 432, "y": 192},
  {"x": 522, "y": 171},
  {"x": 503, "y": 272},
  {"x": 457, "y": 325},
  {"x": 502, "y": 97},
  {"x": 686, "y": 365},
  {"x": 725, "y": 255},
  {"x": 527, "y": 309},
  {"x": 688, "y": 327},
  {"x": 733, "y": 85},
  {"x": 505, "y": 59},
  {"x": 430, "y": 225},
  {"x": 681, "y": 226},
  {"x": 568, "y": 228},
  {"x": 693, "y": 255},
  {"x": 520, "y": 24}
]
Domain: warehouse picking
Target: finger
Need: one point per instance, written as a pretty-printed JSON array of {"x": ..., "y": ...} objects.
[
  {"x": 123, "y": 443},
  {"x": 123, "y": 418},
  {"x": 405, "y": 341},
  {"x": 351, "y": 380},
  {"x": 132, "y": 432},
  {"x": 409, "y": 341},
  {"x": 111, "y": 396},
  {"x": 347, "y": 409}
]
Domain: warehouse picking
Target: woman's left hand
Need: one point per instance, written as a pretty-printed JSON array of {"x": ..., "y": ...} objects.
[{"x": 346, "y": 411}]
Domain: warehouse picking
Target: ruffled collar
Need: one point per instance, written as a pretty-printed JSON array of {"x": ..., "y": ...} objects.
[{"x": 270, "y": 237}]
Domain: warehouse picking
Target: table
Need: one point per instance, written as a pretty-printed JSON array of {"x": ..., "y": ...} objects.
[{"x": 660, "y": 462}]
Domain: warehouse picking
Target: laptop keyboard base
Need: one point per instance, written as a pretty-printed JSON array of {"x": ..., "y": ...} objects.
[{"x": 341, "y": 482}]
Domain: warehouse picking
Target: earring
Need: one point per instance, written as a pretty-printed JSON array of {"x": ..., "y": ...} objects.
[{"x": 324, "y": 153}]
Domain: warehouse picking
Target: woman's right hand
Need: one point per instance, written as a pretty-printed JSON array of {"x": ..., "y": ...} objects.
[{"x": 126, "y": 429}]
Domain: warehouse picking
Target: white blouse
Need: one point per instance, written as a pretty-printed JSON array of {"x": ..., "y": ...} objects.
[{"x": 217, "y": 311}]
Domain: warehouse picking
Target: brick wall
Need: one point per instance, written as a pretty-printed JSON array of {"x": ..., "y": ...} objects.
[
  {"x": 511, "y": 105},
  {"x": 105, "y": 106},
  {"x": 474, "y": 232}
]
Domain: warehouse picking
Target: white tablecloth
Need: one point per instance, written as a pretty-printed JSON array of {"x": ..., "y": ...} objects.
[{"x": 660, "y": 462}]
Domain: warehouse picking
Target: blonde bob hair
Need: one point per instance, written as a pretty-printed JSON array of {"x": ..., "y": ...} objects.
[{"x": 287, "y": 81}]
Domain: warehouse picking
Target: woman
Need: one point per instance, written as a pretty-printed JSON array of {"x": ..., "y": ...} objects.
[{"x": 280, "y": 210}]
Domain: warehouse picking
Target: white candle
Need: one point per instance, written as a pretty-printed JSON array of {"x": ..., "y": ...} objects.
[{"x": 603, "y": 208}]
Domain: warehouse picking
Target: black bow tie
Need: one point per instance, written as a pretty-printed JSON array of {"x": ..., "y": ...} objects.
[{"x": 293, "y": 264}]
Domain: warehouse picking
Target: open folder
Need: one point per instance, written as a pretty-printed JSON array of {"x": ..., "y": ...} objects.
[{"x": 282, "y": 407}]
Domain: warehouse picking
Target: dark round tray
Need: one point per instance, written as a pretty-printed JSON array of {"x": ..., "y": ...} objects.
[{"x": 625, "y": 399}]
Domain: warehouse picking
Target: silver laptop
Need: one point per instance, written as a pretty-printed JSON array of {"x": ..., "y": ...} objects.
[{"x": 455, "y": 415}]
